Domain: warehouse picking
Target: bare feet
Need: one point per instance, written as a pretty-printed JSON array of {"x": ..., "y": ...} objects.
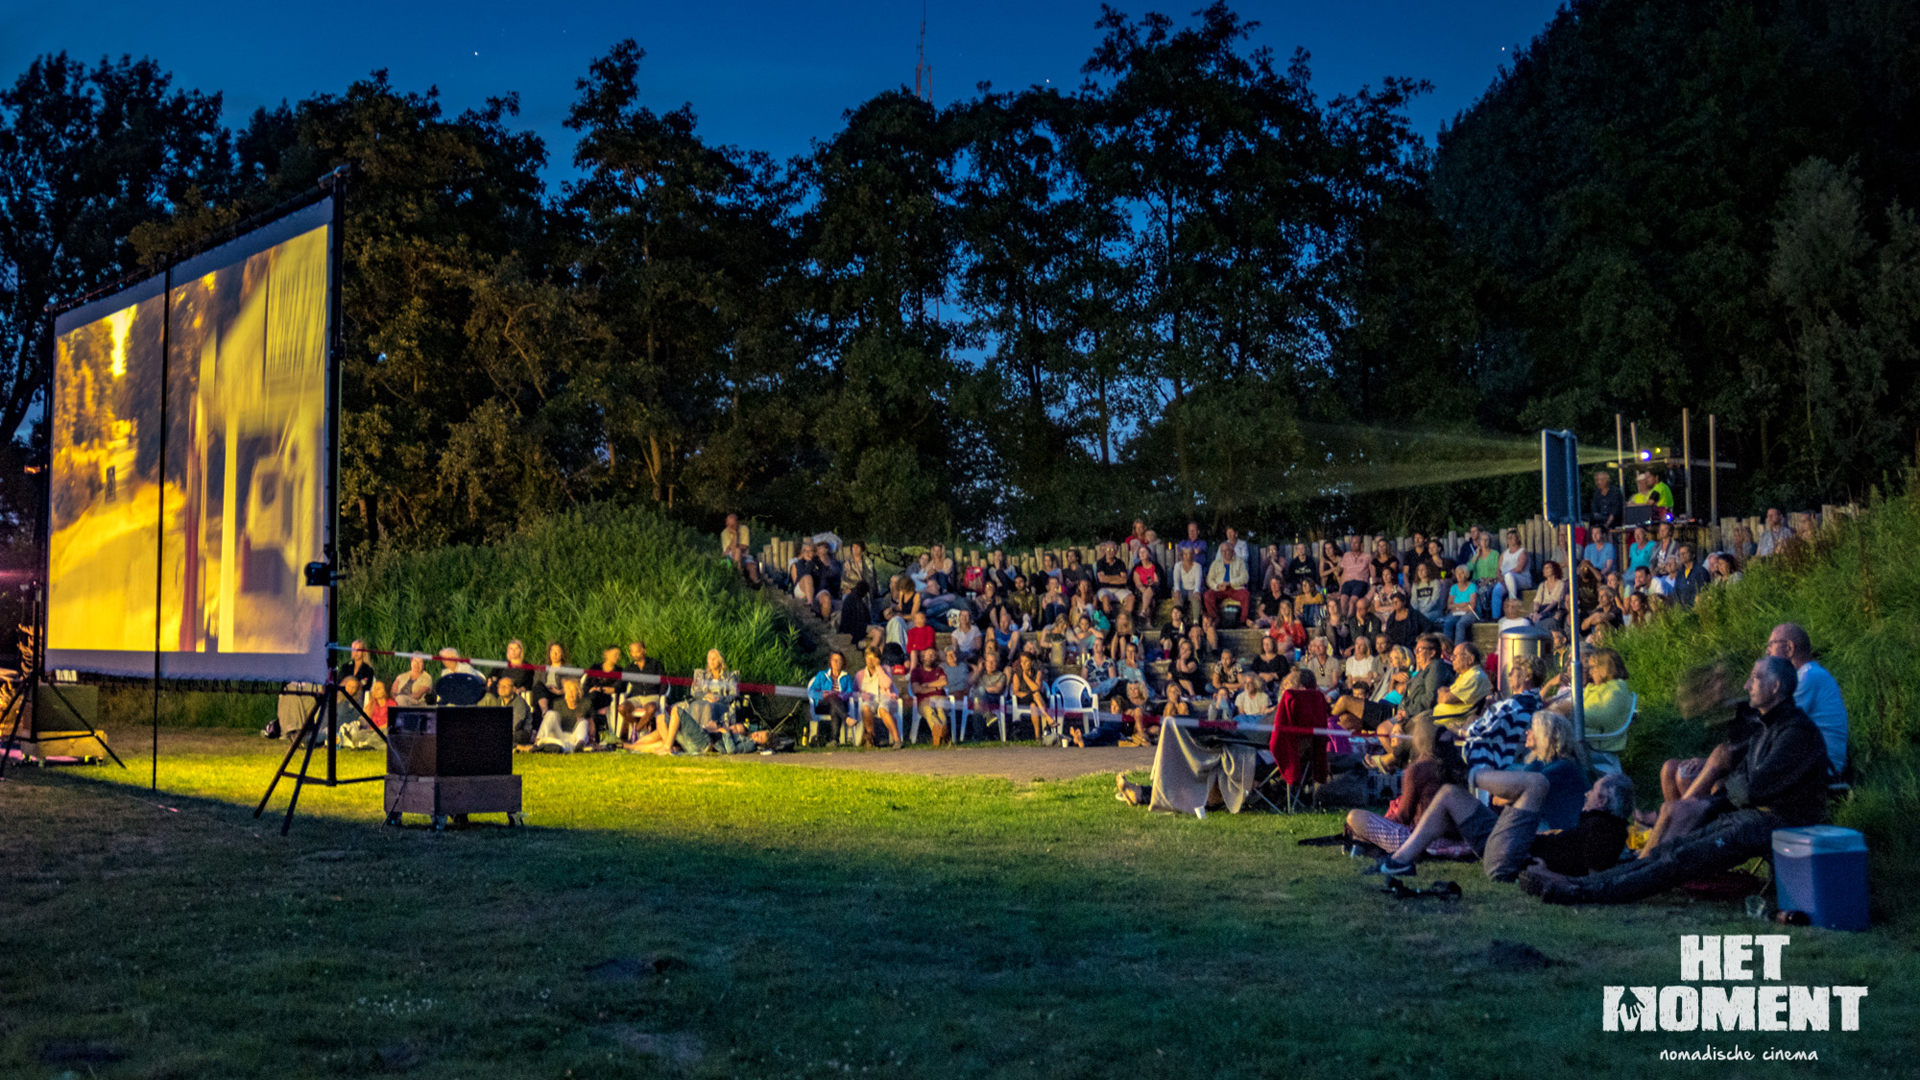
[{"x": 1126, "y": 791}]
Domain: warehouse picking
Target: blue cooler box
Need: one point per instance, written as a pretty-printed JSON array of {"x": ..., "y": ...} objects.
[{"x": 1822, "y": 870}]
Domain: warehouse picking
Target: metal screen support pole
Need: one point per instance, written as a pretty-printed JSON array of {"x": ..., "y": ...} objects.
[
  {"x": 1573, "y": 643},
  {"x": 160, "y": 523}
]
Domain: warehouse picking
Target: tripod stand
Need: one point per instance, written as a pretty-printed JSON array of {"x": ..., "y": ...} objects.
[
  {"x": 24, "y": 686},
  {"x": 325, "y": 703}
]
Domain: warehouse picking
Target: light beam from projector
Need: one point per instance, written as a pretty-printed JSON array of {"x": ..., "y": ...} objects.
[{"x": 1358, "y": 460}]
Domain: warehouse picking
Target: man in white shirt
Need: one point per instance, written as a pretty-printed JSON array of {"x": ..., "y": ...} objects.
[
  {"x": 1188, "y": 581},
  {"x": 1816, "y": 693},
  {"x": 1235, "y": 544},
  {"x": 1226, "y": 579},
  {"x": 1772, "y": 534}
]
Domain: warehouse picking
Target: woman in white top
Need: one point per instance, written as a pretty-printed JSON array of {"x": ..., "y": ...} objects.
[
  {"x": 966, "y": 636},
  {"x": 1363, "y": 667},
  {"x": 1516, "y": 567},
  {"x": 877, "y": 695}
]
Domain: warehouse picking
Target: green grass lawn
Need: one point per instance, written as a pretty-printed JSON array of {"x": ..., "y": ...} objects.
[{"x": 716, "y": 917}]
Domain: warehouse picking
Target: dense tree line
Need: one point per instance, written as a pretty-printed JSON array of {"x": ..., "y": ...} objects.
[{"x": 1190, "y": 286}]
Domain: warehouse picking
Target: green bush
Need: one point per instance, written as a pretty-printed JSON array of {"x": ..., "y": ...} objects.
[
  {"x": 589, "y": 578},
  {"x": 1856, "y": 590}
]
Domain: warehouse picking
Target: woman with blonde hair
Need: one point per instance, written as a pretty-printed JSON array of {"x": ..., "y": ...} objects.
[{"x": 1545, "y": 791}]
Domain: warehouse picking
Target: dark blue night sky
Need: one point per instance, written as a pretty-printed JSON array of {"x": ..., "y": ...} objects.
[{"x": 767, "y": 76}]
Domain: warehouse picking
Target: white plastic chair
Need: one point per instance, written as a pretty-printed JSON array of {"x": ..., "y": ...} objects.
[
  {"x": 1607, "y": 761},
  {"x": 1072, "y": 694},
  {"x": 815, "y": 719},
  {"x": 1010, "y": 711}
]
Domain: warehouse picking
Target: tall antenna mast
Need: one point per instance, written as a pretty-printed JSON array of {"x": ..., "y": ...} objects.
[{"x": 923, "y": 71}]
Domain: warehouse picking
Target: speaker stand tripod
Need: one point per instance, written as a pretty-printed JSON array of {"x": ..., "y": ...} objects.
[{"x": 322, "y": 717}]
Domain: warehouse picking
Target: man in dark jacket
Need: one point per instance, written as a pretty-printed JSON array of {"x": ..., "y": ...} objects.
[
  {"x": 1689, "y": 577},
  {"x": 1775, "y": 776}
]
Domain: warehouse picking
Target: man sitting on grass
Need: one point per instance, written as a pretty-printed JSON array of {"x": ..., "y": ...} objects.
[
  {"x": 503, "y": 695},
  {"x": 1773, "y": 775},
  {"x": 568, "y": 724},
  {"x": 641, "y": 708}
]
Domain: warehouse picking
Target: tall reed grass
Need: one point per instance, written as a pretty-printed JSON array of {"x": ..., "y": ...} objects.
[
  {"x": 1856, "y": 590},
  {"x": 589, "y": 578}
]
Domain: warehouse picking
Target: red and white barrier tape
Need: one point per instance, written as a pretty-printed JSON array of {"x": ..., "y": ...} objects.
[{"x": 596, "y": 675}]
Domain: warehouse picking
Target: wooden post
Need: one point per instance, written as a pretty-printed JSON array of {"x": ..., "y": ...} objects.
[
  {"x": 1713, "y": 472},
  {"x": 1620, "y": 463},
  {"x": 1686, "y": 454}
]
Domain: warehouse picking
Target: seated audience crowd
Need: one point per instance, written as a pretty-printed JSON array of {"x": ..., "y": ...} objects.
[{"x": 1479, "y": 759}]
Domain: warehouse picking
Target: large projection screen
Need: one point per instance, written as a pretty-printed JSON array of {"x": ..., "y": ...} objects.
[{"x": 190, "y": 466}]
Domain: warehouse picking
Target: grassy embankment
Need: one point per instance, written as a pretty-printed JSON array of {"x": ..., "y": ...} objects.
[
  {"x": 1856, "y": 589},
  {"x": 587, "y": 579}
]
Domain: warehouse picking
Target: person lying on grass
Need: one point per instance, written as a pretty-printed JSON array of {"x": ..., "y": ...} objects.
[
  {"x": 1775, "y": 777},
  {"x": 1549, "y": 787}
]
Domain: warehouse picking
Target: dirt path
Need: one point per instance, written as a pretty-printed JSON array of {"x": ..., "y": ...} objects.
[{"x": 1012, "y": 762}]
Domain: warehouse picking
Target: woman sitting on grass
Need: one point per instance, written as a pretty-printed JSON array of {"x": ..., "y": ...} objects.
[
  {"x": 700, "y": 724},
  {"x": 413, "y": 686},
  {"x": 1547, "y": 790},
  {"x": 1436, "y": 763}
]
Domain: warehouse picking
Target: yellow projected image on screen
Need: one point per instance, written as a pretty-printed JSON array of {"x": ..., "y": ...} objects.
[
  {"x": 241, "y": 505},
  {"x": 105, "y": 478}
]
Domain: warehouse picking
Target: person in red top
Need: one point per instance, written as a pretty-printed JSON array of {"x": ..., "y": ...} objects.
[
  {"x": 1146, "y": 582},
  {"x": 920, "y": 636},
  {"x": 928, "y": 682}
]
